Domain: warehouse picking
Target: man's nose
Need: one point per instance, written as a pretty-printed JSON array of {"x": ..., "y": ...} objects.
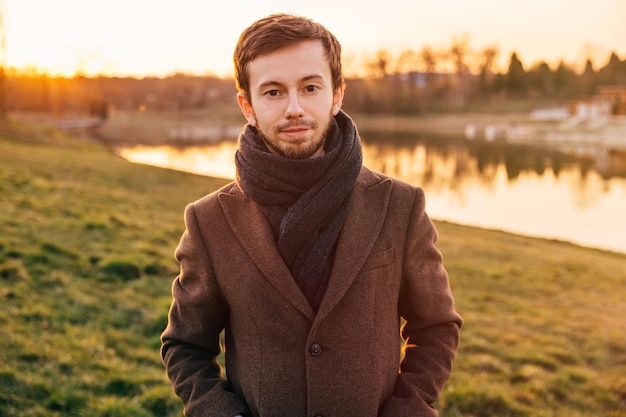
[{"x": 294, "y": 109}]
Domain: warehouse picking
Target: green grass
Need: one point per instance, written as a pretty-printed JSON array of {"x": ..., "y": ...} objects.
[
  {"x": 545, "y": 333},
  {"x": 86, "y": 263}
]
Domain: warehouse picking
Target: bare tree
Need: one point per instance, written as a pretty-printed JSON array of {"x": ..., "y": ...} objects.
[
  {"x": 487, "y": 58},
  {"x": 429, "y": 58},
  {"x": 406, "y": 68},
  {"x": 378, "y": 66},
  {"x": 487, "y": 61},
  {"x": 407, "y": 61},
  {"x": 458, "y": 53}
]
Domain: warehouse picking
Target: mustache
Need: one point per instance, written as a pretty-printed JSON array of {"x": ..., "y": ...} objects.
[{"x": 296, "y": 125}]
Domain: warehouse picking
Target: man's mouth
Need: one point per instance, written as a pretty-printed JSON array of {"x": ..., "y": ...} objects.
[{"x": 294, "y": 130}]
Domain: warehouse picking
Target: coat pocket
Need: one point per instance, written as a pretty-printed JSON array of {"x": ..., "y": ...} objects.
[{"x": 378, "y": 259}]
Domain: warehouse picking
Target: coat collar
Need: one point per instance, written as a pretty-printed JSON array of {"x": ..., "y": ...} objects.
[{"x": 367, "y": 212}]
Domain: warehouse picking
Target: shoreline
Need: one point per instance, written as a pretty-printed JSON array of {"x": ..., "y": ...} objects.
[{"x": 124, "y": 128}]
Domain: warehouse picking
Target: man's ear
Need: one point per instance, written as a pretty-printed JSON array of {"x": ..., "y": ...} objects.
[
  {"x": 246, "y": 108},
  {"x": 338, "y": 99}
]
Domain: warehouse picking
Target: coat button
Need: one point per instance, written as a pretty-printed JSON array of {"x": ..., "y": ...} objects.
[{"x": 316, "y": 349}]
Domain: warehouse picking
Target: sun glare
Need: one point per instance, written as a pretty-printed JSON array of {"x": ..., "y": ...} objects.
[{"x": 155, "y": 37}]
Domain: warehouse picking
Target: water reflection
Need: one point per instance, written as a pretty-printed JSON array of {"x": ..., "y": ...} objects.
[
  {"x": 453, "y": 165},
  {"x": 571, "y": 194},
  {"x": 214, "y": 160}
]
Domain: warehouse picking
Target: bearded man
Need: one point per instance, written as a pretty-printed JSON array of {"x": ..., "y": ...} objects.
[{"x": 309, "y": 261}]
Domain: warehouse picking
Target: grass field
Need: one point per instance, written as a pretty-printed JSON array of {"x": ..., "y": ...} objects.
[{"x": 86, "y": 262}]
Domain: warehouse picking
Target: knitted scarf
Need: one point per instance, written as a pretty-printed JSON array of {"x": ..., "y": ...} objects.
[{"x": 305, "y": 200}]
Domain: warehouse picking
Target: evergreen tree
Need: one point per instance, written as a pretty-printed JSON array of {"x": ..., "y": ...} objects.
[
  {"x": 516, "y": 79},
  {"x": 563, "y": 77},
  {"x": 541, "y": 79}
]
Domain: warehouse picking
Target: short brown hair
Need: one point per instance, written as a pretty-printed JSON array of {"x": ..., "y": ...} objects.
[{"x": 278, "y": 31}]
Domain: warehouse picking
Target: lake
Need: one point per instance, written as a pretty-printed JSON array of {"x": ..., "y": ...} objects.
[{"x": 576, "y": 194}]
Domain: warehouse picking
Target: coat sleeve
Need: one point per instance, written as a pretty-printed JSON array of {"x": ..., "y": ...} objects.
[
  {"x": 190, "y": 343},
  {"x": 432, "y": 326}
]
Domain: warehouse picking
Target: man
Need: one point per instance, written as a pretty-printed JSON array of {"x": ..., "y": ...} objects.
[{"x": 308, "y": 261}]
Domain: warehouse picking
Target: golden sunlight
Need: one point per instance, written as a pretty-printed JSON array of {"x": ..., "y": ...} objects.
[{"x": 154, "y": 37}]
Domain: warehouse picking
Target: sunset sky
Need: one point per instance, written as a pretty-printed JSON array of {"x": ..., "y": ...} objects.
[{"x": 158, "y": 37}]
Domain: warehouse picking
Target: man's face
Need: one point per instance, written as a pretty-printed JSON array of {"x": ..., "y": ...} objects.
[{"x": 291, "y": 99}]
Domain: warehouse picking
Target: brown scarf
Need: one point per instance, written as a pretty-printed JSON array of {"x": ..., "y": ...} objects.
[{"x": 305, "y": 200}]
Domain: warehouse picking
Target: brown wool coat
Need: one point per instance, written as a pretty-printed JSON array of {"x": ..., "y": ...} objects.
[{"x": 282, "y": 360}]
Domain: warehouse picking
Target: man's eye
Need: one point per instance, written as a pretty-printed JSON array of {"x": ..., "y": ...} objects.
[
  {"x": 272, "y": 93},
  {"x": 310, "y": 88}
]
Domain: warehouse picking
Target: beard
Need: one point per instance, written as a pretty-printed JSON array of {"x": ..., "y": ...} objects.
[{"x": 299, "y": 148}]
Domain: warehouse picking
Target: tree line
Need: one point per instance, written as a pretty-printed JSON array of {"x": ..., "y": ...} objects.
[
  {"x": 410, "y": 82},
  {"x": 460, "y": 78}
]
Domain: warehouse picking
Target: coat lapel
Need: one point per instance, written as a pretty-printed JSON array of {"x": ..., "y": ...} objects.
[
  {"x": 255, "y": 235},
  {"x": 368, "y": 211}
]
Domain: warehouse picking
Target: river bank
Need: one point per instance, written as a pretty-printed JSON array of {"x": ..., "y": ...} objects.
[
  {"x": 86, "y": 263},
  {"x": 571, "y": 134},
  {"x": 199, "y": 126},
  {"x": 192, "y": 128}
]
